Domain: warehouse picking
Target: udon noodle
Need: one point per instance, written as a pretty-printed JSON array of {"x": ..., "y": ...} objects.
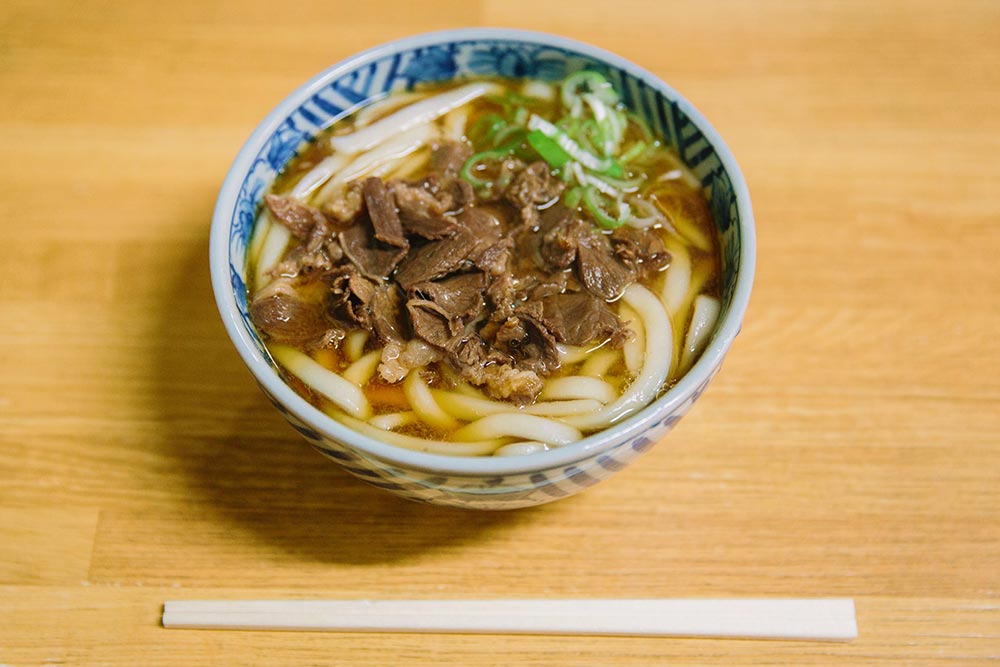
[{"x": 493, "y": 267}]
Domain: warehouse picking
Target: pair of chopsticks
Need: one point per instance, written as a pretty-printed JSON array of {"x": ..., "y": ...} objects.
[{"x": 820, "y": 619}]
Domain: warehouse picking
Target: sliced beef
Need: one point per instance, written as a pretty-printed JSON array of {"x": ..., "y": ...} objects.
[
  {"x": 436, "y": 259},
  {"x": 351, "y": 293},
  {"x": 283, "y": 315},
  {"x": 431, "y": 322},
  {"x": 496, "y": 262},
  {"x": 448, "y": 158},
  {"x": 345, "y": 205},
  {"x": 509, "y": 383},
  {"x": 382, "y": 212},
  {"x": 533, "y": 185},
  {"x": 600, "y": 269},
  {"x": 305, "y": 264},
  {"x": 476, "y": 231},
  {"x": 460, "y": 296},
  {"x": 374, "y": 259},
  {"x": 426, "y": 209},
  {"x": 298, "y": 217},
  {"x": 641, "y": 250},
  {"x": 442, "y": 309},
  {"x": 388, "y": 320},
  {"x": 579, "y": 318},
  {"x": 485, "y": 227},
  {"x": 528, "y": 341}
]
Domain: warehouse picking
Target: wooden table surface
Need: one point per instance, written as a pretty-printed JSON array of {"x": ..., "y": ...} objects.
[{"x": 850, "y": 447}]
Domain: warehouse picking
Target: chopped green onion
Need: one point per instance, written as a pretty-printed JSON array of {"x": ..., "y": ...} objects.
[
  {"x": 633, "y": 151},
  {"x": 592, "y": 82},
  {"x": 587, "y": 159},
  {"x": 573, "y": 196},
  {"x": 486, "y": 128},
  {"x": 472, "y": 162},
  {"x": 548, "y": 149},
  {"x": 509, "y": 137},
  {"x": 601, "y": 216}
]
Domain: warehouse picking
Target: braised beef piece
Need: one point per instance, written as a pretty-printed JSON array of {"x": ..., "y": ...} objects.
[
  {"x": 578, "y": 318},
  {"x": 485, "y": 366},
  {"x": 427, "y": 207},
  {"x": 561, "y": 232},
  {"x": 298, "y": 217},
  {"x": 431, "y": 322},
  {"x": 441, "y": 310},
  {"x": 387, "y": 317},
  {"x": 533, "y": 185},
  {"x": 374, "y": 259},
  {"x": 351, "y": 293},
  {"x": 475, "y": 232},
  {"x": 282, "y": 315},
  {"x": 382, "y": 213},
  {"x": 448, "y": 158},
  {"x": 344, "y": 206},
  {"x": 436, "y": 259},
  {"x": 459, "y": 296},
  {"x": 642, "y": 250},
  {"x": 527, "y": 340},
  {"x": 602, "y": 273}
]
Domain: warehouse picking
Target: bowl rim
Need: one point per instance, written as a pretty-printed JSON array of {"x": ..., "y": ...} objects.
[{"x": 440, "y": 464}]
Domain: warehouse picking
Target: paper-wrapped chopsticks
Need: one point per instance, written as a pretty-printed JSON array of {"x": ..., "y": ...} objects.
[{"x": 822, "y": 619}]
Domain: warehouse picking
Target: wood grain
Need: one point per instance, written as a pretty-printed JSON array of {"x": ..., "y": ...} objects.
[{"x": 850, "y": 447}]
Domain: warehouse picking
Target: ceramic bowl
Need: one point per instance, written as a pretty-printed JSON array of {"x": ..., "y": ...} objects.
[{"x": 489, "y": 482}]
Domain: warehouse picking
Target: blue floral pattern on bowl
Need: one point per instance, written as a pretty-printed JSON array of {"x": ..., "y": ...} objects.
[{"x": 403, "y": 65}]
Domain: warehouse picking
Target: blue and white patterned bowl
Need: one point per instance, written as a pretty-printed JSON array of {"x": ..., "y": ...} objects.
[{"x": 479, "y": 483}]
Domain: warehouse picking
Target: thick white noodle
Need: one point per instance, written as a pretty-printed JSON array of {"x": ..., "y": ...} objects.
[
  {"x": 393, "y": 420},
  {"x": 377, "y": 161},
  {"x": 260, "y": 229},
  {"x": 479, "y": 448},
  {"x": 342, "y": 393},
  {"x": 571, "y": 354},
  {"x": 676, "y": 281},
  {"x": 417, "y": 114},
  {"x": 354, "y": 344},
  {"x": 410, "y": 165},
  {"x": 525, "y": 427},
  {"x": 271, "y": 252},
  {"x": 659, "y": 354},
  {"x": 521, "y": 448},
  {"x": 454, "y": 123},
  {"x": 472, "y": 407},
  {"x": 577, "y": 386},
  {"x": 562, "y": 408},
  {"x": 362, "y": 370},
  {"x": 599, "y": 363},
  {"x": 703, "y": 319},
  {"x": 423, "y": 403},
  {"x": 635, "y": 347},
  {"x": 539, "y": 90},
  {"x": 467, "y": 406},
  {"x": 373, "y": 112},
  {"x": 317, "y": 176}
]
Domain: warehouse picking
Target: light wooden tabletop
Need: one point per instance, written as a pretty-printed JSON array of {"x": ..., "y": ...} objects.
[{"x": 850, "y": 446}]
